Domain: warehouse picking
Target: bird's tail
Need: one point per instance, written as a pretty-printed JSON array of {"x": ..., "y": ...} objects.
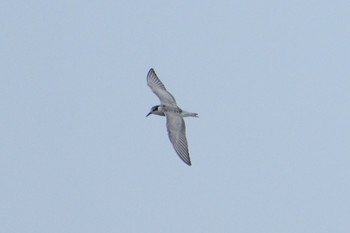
[{"x": 189, "y": 114}]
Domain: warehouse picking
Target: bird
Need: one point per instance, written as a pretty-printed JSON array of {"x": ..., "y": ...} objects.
[{"x": 174, "y": 116}]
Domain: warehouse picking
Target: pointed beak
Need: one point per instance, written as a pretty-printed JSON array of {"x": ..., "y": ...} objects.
[{"x": 148, "y": 114}]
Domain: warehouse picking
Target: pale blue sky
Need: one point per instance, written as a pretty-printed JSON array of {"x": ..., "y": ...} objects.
[{"x": 269, "y": 79}]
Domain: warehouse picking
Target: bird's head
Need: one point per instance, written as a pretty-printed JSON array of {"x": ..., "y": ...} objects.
[{"x": 154, "y": 110}]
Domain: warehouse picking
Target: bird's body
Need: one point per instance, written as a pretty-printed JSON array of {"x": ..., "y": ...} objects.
[{"x": 174, "y": 115}]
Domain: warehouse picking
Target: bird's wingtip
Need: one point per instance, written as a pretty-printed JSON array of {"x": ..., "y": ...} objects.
[{"x": 151, "y": 70}]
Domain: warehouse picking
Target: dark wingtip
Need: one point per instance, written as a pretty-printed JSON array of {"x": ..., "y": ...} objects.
[{"x": 150, "y": 71}]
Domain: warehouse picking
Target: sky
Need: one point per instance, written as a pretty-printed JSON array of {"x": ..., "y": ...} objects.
[{"x": 270, "y": 150}]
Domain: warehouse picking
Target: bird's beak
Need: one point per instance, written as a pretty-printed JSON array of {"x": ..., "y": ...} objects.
[{"x": 148, "y": 114}]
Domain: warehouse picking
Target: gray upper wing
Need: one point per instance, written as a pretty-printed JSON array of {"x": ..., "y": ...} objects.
[
  {"x": 159, "y": 89},
  {"x": 177, "y": 135}
]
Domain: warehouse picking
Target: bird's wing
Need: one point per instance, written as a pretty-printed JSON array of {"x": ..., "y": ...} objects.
[
  {"x": 177, "y": 135},
  {"x": 159, "y": 89}
]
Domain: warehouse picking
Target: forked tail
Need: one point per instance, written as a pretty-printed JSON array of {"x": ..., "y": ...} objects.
[{"x": 189, "y": 114}]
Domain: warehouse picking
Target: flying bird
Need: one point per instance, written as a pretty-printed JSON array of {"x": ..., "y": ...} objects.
[{"x": 174, "y": 116}]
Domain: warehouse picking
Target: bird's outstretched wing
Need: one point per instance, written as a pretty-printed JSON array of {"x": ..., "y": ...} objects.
[
  {"x": 159, "y": 89},
  {"x": 177, "y": 135}
]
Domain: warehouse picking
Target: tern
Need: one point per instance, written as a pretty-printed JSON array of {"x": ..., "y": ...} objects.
[{"x": 174, "y": 116}]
